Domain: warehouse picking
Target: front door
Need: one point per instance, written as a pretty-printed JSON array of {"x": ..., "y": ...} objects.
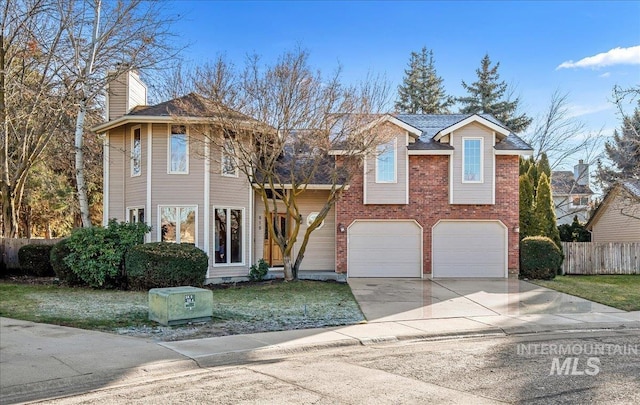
[{"x": 272, "y": 252}]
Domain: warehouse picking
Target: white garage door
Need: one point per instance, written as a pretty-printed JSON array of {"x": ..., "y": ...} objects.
[
  {"x": 469, "y": 249},
  {"x": 384, "y": 249}
]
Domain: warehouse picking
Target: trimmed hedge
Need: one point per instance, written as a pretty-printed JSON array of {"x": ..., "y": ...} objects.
[
  {"x": 163, "y": 264},
  {"x": 34, "y": 260},
  {"x": 540, "y": 258},
  {"x": 58, "y": 252}
]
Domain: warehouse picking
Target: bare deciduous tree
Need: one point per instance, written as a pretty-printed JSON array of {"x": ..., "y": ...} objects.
[{"x": 295, "y": 129}]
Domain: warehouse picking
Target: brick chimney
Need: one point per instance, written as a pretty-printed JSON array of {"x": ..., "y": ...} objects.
[
  {"x": 125, "y": 93},
  {"x": 581, "y": 173}
]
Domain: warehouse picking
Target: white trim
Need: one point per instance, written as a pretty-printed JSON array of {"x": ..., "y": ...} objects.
[
  {"x": 149, "y": 165},
  {"x": 451, "y": 177},
  {"x": 513, "y": 152},
  {"x": 389, "y": 118},
  {"x": 243, "y": 227},
  {"x": 493, "y": 172},
  {"x": 314, "y": 218},
  {"x": 472, "y": 118},
  {"x": 364, "y": 181},
  {"x": 389, "y": 220},
  {"x": 448, "y": 152},
  {"x": 169, "y": 133},
  {"x": 307, "y": 187},
  {"x": 395, "y": 162},
  {"x": 159, "y": 217},
  {"x": 207, "y": 197},
  {"x": 250, "y": 223},
  {"x": 406, "y": 170},
  {"x": 506, "y": 241},
  {"x": 105, "y": 179},
  {"x": 132, "y": 158},
  {"x": 473, "y": 138}
]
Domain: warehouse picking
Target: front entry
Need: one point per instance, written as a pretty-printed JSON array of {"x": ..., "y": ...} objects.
[{"x": 272, "y": 252}]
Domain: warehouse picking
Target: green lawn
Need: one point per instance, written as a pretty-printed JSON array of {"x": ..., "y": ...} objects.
[
  {"x": 619, "y": 291},
  {"x": 236, "y": 309}
]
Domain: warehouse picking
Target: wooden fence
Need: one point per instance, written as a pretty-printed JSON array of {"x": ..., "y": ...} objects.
[
  {"x": 9, "y": 249},
  {"x": 601, "y": 258}
]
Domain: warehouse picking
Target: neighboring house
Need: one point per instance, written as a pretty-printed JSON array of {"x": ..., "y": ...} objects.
[
  {"x": 440, "y": 198},
  {"x": 572, "y": 194},
  {"x": 617, "y": 218}
]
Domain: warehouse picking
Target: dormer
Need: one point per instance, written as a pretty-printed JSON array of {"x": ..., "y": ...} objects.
[{"x": 125, "y": 93}]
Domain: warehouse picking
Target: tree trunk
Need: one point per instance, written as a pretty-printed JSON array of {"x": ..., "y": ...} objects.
[
  {"x": 290, "y": 272},
  {"x": 81, "y": 183},
  {"x": 9, "y": 213}
]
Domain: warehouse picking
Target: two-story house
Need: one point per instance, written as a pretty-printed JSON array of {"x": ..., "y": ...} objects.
[
  {"x": 439, "y": 199},
  {"x": 572, "y": 194}
]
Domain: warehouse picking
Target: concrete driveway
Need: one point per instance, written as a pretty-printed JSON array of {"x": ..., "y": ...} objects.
[{"x": 384, "y": 299}]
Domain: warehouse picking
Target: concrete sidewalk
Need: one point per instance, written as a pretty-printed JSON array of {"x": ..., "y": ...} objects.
[{"x": 45, "y": 361}]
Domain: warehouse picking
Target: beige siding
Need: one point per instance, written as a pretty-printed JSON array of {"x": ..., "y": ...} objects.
[
  {"x": 117, "y": 92},
  {"x": 117, "y": 174},
  {"x": 135, "y": 187},
  {"x": 388, "y": 193},
  {"x": 613, "y": 226},
  {"x": 229, "y": 192},
  {"x": 473, "y": 193},
  {"x": 137, "y": 92},
  {"x": 176, "y": 189},
  {"x": 320, "y": 251}
]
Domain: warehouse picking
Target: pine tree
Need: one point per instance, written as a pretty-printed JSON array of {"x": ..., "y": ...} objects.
[
  {"x": 624, "y": 152},
  {"x": 528, "y": 222},
  {"x": 486, "y": 96},
  {"x": 545, "y": 213},
  {"x": 422, "y": 90}
]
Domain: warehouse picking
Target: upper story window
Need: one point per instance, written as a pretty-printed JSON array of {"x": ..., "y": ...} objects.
[
  {"x": 229, "y": 166},
  {"x": 136, "y": 153},
  {"x": 580, "y": 201},
  {"x": 386, "y": 163},
  {"x": 472, "y": 160},
  {"x": 178, "y": 150}
]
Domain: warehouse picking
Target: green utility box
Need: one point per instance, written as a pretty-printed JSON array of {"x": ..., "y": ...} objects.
[{"x": 178, "y": 305}]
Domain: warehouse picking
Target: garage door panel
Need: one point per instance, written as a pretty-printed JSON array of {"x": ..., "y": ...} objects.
[
  {"x": 384, "y": 249},
  {"x": 469, "y": 249}
]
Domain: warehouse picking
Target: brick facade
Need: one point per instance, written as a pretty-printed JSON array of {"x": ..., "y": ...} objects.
[{"x": 429, "y": 202}]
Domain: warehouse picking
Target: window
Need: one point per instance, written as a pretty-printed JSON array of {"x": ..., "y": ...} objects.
[
  {"x": 136, "y": 153},
  {"x": 312, "y": 217},
  {"x": 136, "y": 215},
  {"x": 178, "y": 150},
  {"x": 472, "y": 160},
  {"x": 386, "y": 163},
  {"x": 229, "y": 166},
  {"x": 580, "y": 201},
  {"x": 178, "y": 224},
  {"x": 229, "y": 230}
]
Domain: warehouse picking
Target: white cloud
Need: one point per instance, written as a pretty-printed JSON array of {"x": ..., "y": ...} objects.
[
  {"x": 616, "y": 56},
  {"x": 605, "y": 75},
  {"x": 576, "y": 110}
]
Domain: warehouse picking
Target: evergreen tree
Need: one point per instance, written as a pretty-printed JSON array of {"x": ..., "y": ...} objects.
[
  {"x": 544, "y": 166},
  {"x": 533, "y": 174},
  {"x": 528, "y": 222},
  {"x": 545, "y": 213},
  {"x": 624, "y": 152},
  {"x": 422, "y": 90},
  {"x": 487, "y": 96},
  {"x": 524, "y": 165}
]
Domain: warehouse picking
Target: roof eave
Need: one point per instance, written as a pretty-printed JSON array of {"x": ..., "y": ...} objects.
[
  {"x": 513, "y": 152},
  {"x": 472, "y": 118}
]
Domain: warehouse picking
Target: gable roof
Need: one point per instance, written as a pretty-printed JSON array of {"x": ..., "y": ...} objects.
[
  {"x": 192, "y": 107},
  {"x": 630, "y": 186},
  {"x": 433, "y": 125},
  {"x": 564, "y": 183}
]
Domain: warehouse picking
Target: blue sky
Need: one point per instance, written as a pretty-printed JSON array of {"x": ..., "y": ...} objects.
[{"x": 542, "y": 46}]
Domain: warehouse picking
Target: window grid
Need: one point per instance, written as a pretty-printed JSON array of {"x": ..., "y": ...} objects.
[
  {"x": 178, "y": 150},
  {"x": 386, "y": 163},
  {"x": 472, "y": 160}
]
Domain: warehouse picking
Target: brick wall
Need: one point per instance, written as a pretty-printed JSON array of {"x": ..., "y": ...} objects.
[{"x": 429, "y": 202}]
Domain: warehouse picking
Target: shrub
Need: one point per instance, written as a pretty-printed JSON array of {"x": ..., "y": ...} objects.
[
  {"x": 163, "y": 264},
  {"x": 58, "y": 252},
  {"x": 540, "y": 258},
  {"x": 258, "y": 271},
  {"x": 96, "y": 255},
  {"x": 34, "y": 260}
]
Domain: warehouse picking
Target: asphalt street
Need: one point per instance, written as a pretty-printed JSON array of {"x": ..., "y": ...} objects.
[{"x": 542, "y": 368}]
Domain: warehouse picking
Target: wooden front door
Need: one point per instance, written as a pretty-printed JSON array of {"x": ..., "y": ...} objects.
[{"x": 272, "y": 252}]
